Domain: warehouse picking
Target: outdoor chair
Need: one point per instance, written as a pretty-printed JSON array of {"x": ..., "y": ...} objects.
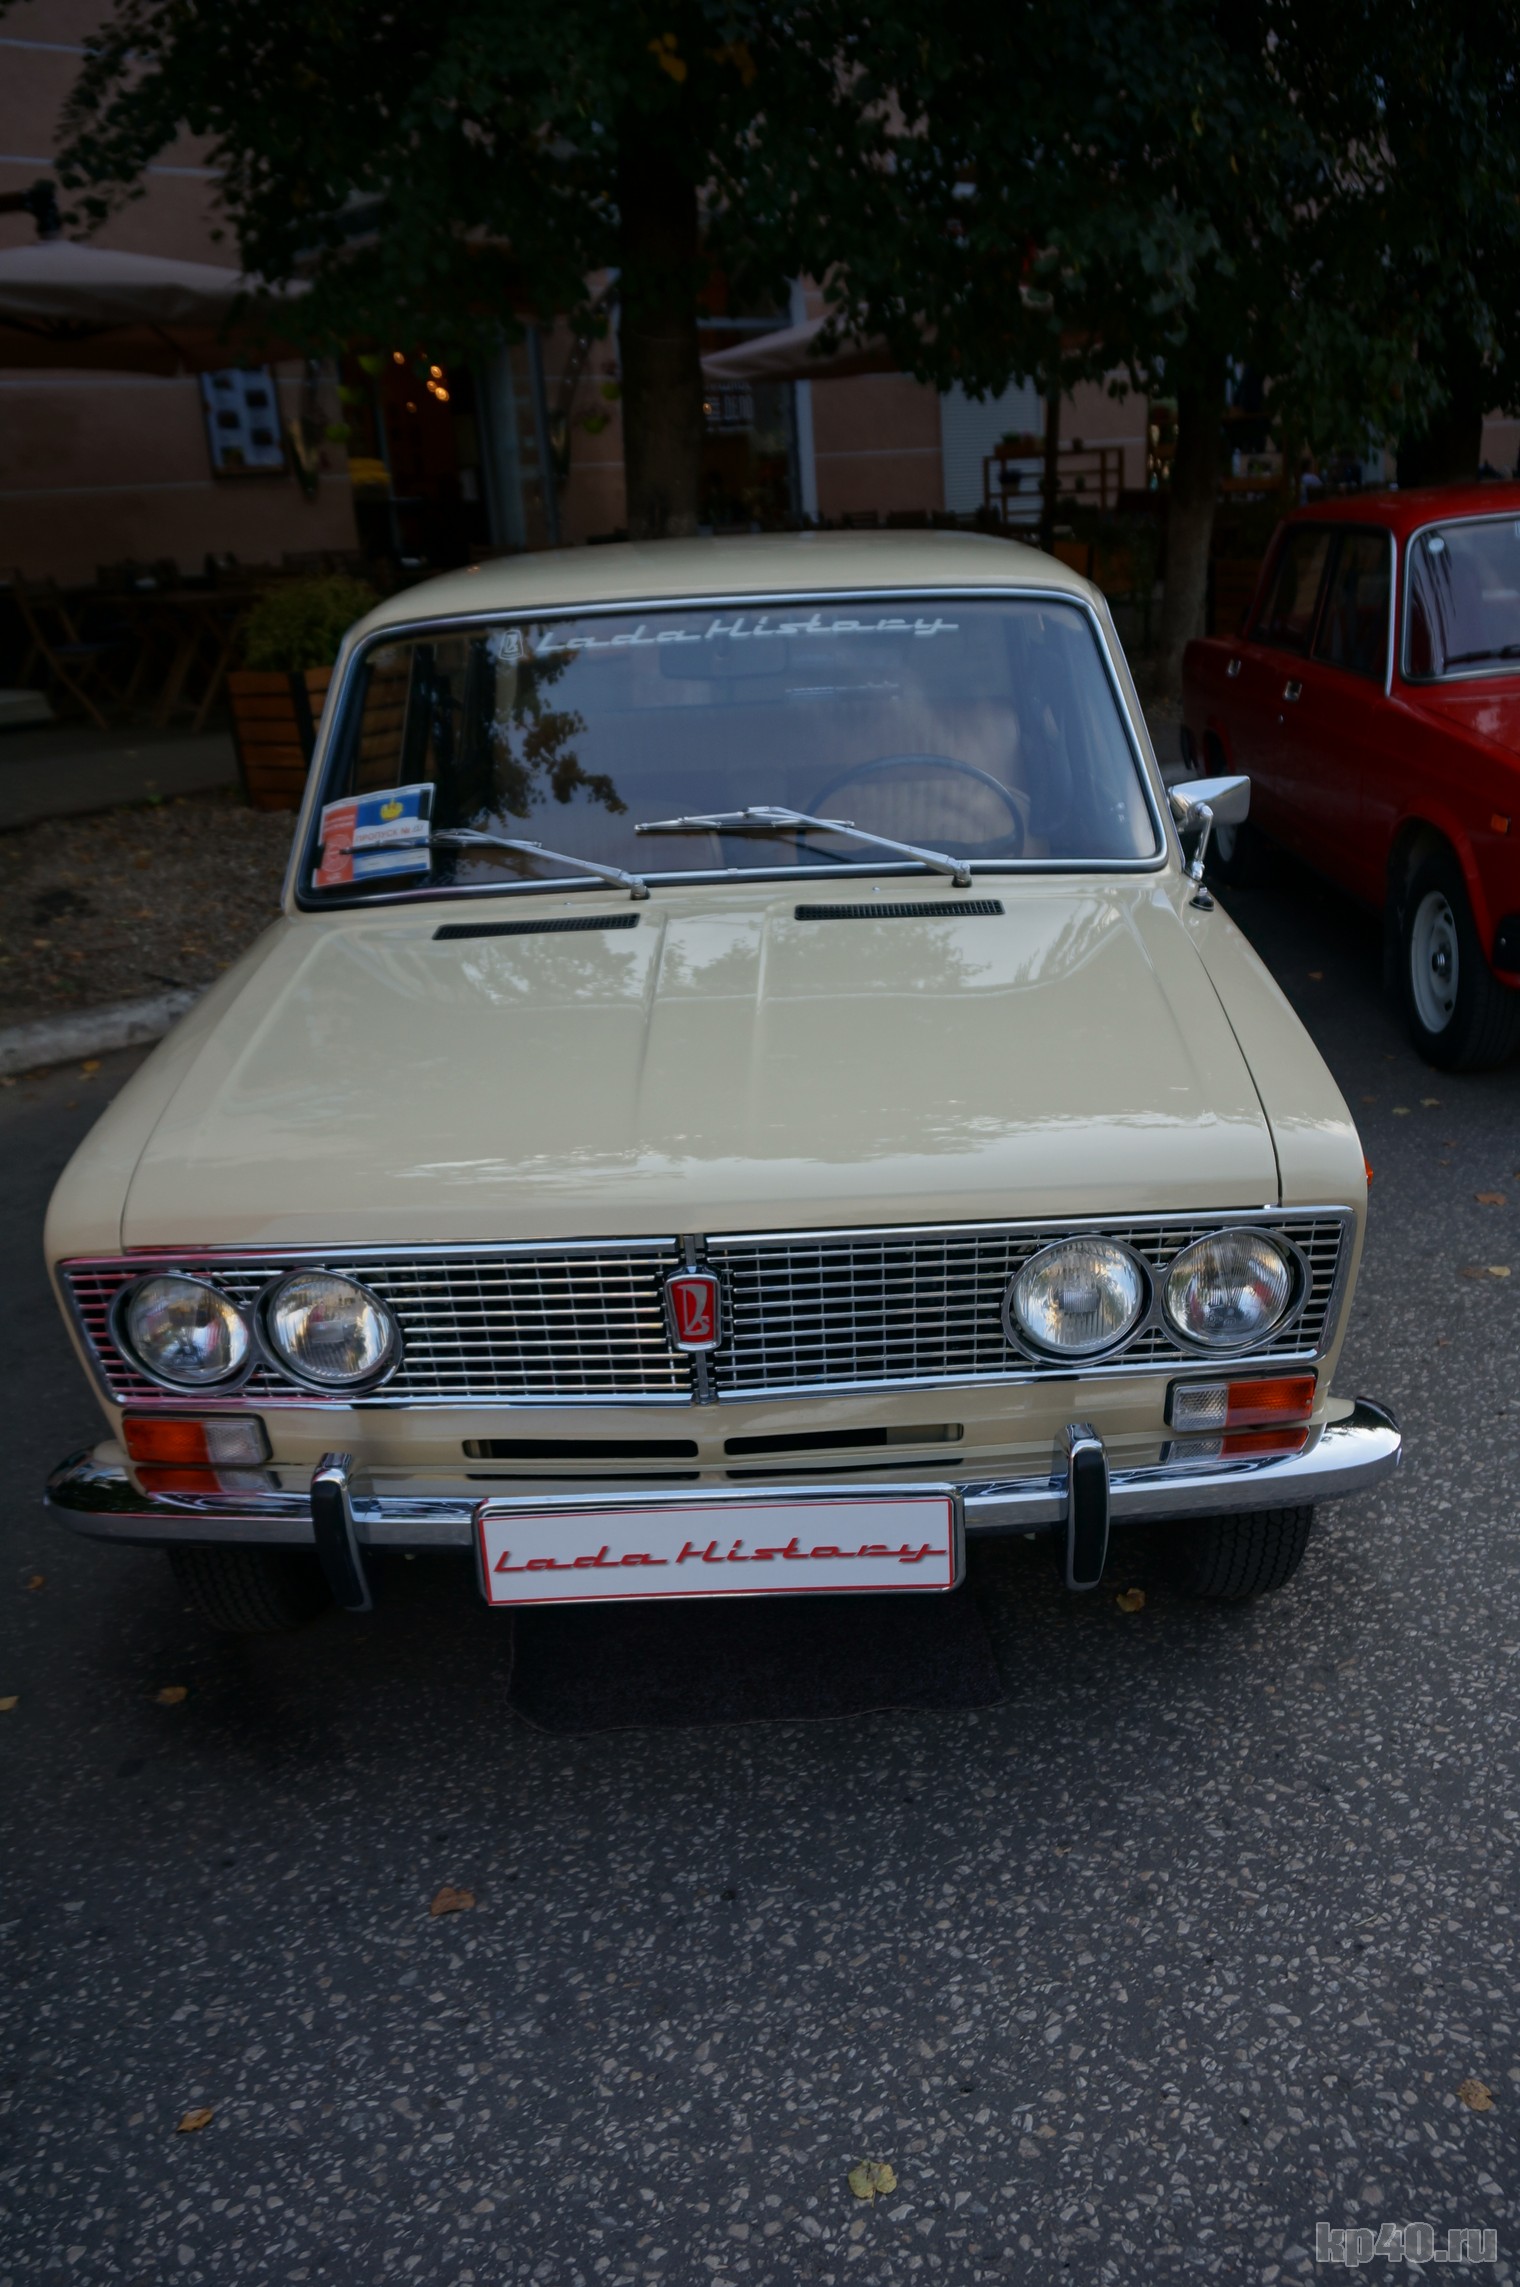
[{"x": 55, "y": 642}]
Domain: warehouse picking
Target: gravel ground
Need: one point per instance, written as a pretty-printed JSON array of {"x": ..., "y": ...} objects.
[
  {"x": 121, "y": 904},
  {"x": 1203, "y": 1936}
]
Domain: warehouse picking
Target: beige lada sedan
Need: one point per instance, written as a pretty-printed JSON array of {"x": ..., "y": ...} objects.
[{"x": 747, "y": 1092}]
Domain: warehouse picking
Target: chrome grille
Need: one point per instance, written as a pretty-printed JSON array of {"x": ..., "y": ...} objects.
[
  {"x": 822, "y": 1311},
  {"x": 513, "y": 1328},
  {"x": 873, "y": 1309}
]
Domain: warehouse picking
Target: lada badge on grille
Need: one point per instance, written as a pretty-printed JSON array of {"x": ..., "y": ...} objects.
[{"x": 692, "y": 1303}]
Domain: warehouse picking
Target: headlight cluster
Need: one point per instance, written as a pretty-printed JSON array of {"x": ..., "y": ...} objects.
[
  {"x": 1082, "y": 1297},
  {"x": 326, "y": 1331},
  {"x": 185, "y": 1332}
]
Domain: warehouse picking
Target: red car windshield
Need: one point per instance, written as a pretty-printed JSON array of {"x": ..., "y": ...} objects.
[
  {"x": 1464, "y": 600},
  {"x": 988, "y": 729}
]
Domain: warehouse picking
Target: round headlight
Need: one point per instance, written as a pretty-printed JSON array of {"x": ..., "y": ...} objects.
[
  {"x": 328, "y": 1329},
  {"x": 1078, "y": 1297},
  {"x": 1229, "y": 1290},
  {"x": 183, "y": 1331}
]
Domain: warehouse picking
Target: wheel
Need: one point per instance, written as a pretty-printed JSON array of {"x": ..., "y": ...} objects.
[
  {"x": 1458, "y": 1016},
  {"x": 1232, "y": 853},
  {"x": 251, "y": 1591},
  {"x": 1233, "y": 850},
  {"x": 1228, "y": 1558}
]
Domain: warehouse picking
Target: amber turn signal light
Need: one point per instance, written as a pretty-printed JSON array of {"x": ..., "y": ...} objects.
[
  {"x": 230, "y": 1441},
  {"x": 1212, "y": 1407}
]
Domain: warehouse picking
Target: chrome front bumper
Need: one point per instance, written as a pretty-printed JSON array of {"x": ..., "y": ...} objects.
[{"x": 94, "y": 1493}]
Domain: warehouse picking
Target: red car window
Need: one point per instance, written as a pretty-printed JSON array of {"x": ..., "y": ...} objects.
[
  {"x": 1464, "y": 599},
  {"x": 1288, "y": 620},
  {"x": 1353, "y": 628}
]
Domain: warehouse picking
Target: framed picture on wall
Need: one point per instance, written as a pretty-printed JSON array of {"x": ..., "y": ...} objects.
[{"x": 243, "y": 422}]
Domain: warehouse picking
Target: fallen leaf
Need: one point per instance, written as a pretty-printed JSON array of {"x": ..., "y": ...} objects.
[
  {"x": 90, "y": 1064},
  {"x": 452, "y": 1901},
  {"x": 1498, "y": 1270},
  {"x": 36, "y": 1580},
  {"x": 1401, "y": 1111},
  {"x": 172, "y": 1694},
  {"x": 871, "y": 2177},
  {"x": 1476, "y": 2096},
  {"x": 189, "y": 2122},
  {"x": 1131, "y": 1600},
  {"x": 1430, "y": 1102},
  {"x": 1472, "y": 1270},
  {"x": 7, "y": 1704},
  {"x": 1489, "y": 1198},
  {"x": 1316, "y": 976}
]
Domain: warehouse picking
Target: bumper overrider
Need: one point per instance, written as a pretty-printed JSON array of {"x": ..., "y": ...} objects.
[{"x": 341, "y": 1513}]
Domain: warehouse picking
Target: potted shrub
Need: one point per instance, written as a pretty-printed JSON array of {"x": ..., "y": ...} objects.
[{"x": 290, "y": 640}]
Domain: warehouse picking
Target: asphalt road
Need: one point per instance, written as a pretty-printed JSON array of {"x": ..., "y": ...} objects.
[{"x": 1184, "y": 1948}]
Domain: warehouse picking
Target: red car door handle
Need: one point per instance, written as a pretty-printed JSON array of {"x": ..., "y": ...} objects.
[{"x": 1292, "y": 690}]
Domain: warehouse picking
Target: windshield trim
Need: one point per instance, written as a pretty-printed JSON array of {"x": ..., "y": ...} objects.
[
  {"x": 304, "y": 847},
  {"x": 1474, "y": 673}
]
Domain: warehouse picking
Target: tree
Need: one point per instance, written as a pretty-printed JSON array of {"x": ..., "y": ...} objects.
[
  {"x": 438, "y": 172},
  {"x": 1164, "y": 192},
  {"x": 1450, "y": 198}
]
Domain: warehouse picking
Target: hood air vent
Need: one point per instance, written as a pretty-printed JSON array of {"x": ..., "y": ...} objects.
[
  {"x": 923, "y": 909},
  {"x": 547, "y": 928}
]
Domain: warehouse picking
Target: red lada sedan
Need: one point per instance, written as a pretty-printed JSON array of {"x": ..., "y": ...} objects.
[{"x": 1374, "y": 703}]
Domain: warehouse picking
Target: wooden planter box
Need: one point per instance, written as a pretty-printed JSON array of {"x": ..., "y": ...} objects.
[{"x": 274, "y": 727}]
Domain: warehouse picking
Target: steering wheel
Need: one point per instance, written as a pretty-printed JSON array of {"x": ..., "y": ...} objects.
[{"x": 1011, "y": 844}]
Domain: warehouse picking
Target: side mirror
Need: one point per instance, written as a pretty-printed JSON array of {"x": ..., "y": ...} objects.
[
  {"x": 1202, "y": 803},
  {"x": 1227, "y": 800}
]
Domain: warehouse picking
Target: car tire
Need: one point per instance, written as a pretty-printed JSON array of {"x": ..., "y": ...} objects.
[
  {"x": 1459, "y": 1016},
  {"x": 1230, "y": 1558},
  {"x": 1233, "y": 851},
  {"x": 251, "y": 1591},
  {"x": 1232, "y": 854}
]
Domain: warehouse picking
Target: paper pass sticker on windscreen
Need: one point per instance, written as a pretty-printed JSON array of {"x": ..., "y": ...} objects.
[{"x": 372, "y": 834}]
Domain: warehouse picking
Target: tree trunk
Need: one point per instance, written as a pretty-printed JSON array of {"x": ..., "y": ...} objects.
[
  {"x": 1190, "y": 522},
  {"x": 1050, "y": 478},
  {"x": 1452, "y": 445},
  {"x": 657, "y": 330}
]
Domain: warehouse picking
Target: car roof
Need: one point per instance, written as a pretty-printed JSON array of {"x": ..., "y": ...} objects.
[
  {"x": 758, "y": 564},
  {"x": 1405, "y": 512}
]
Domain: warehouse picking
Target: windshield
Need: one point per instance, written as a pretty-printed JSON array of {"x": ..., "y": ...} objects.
[
  {"x": 984, "y": 730},
  {"x": 1464, "y": 600}
]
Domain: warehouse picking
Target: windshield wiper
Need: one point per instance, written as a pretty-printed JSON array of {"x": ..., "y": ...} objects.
[
  {"x": 1471, "y": 658},
  {"x": 467, "y": 838},
  {"x": 761, "y": 818}
]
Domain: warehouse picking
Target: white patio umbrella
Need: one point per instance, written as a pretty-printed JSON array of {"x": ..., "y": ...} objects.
[
  {"x": 67, "y": 305},
  {"x": 789, "y": 354}
]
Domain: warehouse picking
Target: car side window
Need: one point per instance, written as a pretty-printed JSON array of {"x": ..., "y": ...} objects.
[
  {"x": 1353, "y": 627},
  {"x": 1287, "y": 622}
]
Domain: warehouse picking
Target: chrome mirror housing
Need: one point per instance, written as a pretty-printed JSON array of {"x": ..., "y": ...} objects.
[
  {"x": 1227, "y": 800},
  {"x": 1202, "y": 803}
]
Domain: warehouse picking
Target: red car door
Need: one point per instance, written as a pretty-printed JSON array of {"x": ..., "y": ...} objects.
[
  {"x": 1280, "y": 641},
  {"x": 1334, "y": 718}
]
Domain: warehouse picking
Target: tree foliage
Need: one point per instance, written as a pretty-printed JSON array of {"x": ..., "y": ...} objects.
[{"x": 1154, "y": 189}]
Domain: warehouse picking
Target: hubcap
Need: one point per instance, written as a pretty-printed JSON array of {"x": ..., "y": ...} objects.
[{"x": 1433, "y": 961}]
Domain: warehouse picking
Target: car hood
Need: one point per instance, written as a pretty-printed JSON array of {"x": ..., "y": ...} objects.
[
  {"x": 1487, "y": 706},
  {"x": 714, "y": 1063}
]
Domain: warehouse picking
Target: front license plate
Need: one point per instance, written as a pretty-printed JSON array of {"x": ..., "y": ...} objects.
[{"x": 813, "y": 1542}]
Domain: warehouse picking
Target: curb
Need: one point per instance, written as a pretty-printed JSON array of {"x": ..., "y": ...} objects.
[{"x": 92, "y": 1032}]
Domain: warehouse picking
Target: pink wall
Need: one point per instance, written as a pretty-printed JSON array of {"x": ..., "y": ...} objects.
[{"x": 97, "y": 467}]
